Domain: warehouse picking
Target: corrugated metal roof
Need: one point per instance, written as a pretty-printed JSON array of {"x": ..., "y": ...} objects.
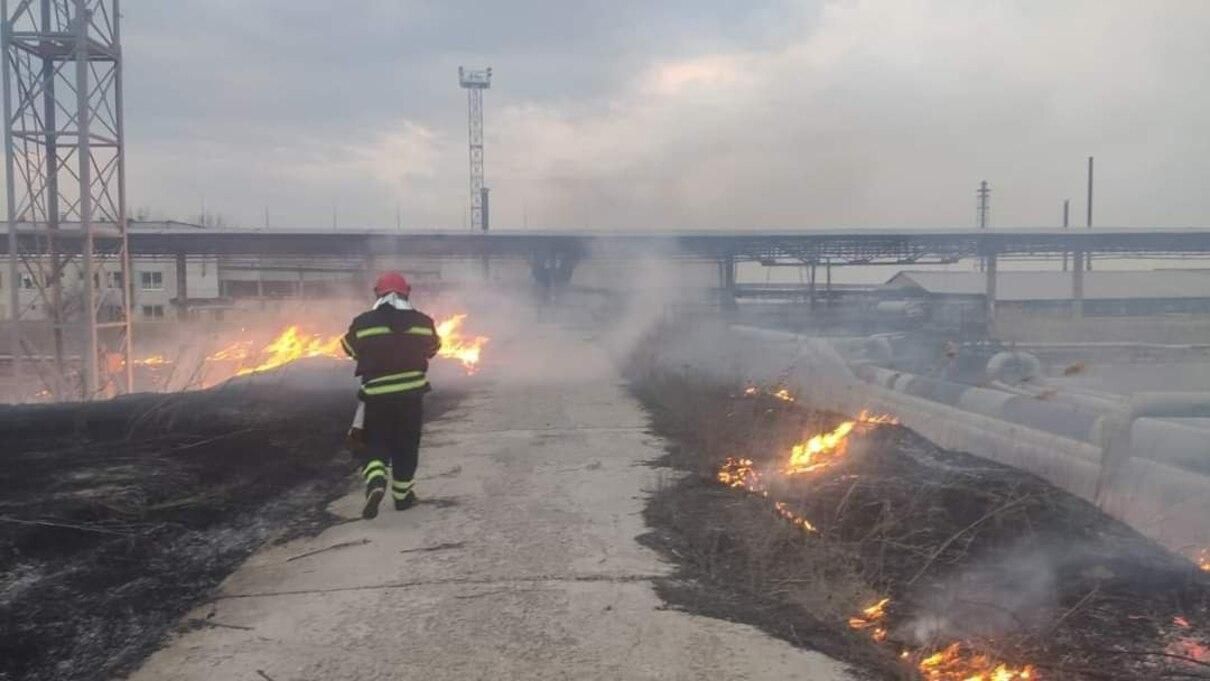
[{"x": 1054, "y": 285}]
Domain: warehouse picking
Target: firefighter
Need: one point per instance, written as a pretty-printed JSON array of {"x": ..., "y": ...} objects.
[{"x": 392, "y": 344}]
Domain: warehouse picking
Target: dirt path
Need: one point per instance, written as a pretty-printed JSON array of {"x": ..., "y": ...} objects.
[{"x": 521, "y": 564}]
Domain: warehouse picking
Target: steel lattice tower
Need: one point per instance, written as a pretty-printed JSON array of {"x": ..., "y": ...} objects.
[
  {"x": 68, "y": 265},
  {"x": 475, "y": 82},
  {"x": 983, "y": 207}
]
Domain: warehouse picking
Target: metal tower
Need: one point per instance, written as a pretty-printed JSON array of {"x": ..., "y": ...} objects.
[
  {"x": 475, "y": 82},
  {"x": 984, "y": 205},
  {"x": 68, "y": 284}
]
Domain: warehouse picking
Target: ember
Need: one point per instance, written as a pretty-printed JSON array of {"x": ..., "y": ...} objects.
[
  {"x": 738, "y": 473},
  {"x": 780, "y": 393},
  {"x": 793, "y": 518},
  {"x": 1188, "y": 648}
]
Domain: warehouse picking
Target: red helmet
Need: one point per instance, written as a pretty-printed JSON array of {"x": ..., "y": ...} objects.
[{"x": 392, "y": 282}]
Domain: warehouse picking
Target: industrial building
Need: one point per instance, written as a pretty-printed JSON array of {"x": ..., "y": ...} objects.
[{"x": 1106, "y": 293}]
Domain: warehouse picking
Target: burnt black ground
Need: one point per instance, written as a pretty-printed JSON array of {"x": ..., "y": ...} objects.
[
  {"x": 1020, "y": 568},
  {"x": 117, "y": 517}
]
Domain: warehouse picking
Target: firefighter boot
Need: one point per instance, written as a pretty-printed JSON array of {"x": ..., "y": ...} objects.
[
  {"x": 376, "y": 487},
  {"x": 404, "y": 495}
]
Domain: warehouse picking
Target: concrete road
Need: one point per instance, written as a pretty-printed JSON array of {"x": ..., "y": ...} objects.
[{"x": 520, "y": 564}]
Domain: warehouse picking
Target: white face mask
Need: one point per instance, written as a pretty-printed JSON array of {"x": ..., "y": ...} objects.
[{"x": 394, "y": 300}]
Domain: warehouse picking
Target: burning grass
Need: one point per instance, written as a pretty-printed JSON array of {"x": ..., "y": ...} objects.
[
  {"x": 904, "y": 559},
  {"x": 250, "y": 353}
]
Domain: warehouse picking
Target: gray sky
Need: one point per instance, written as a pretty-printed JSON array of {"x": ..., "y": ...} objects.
[{"x": 686, "y": 114}]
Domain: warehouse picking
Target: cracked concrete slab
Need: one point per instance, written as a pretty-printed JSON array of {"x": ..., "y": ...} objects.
[{"x": 521, "y": 564}]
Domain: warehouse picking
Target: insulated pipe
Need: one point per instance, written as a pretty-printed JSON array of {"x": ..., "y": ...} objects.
[
  {"x": 1013, "y": 367},
  {"x": 878, "y": 349},
  {"x": 1156, "y": 496},
  {"x": 1115, "y": 429}
]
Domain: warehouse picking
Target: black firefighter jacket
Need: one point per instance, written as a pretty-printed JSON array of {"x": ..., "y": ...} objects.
[{"x": 392, "y": 348}]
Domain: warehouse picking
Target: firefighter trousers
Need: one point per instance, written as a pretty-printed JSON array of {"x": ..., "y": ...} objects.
[{"x": 392, "y": 436}]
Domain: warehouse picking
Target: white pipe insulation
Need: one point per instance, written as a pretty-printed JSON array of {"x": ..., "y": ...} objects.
[{"x": 1117, "y": 453}]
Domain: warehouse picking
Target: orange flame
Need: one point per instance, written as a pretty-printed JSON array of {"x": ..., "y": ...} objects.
[
  {"x": 237, "y": 351},
  {"x": 292, "y": 345},
  {"x": 871, "y": 619},
  {"x": 820, "y": 450},
  {"x": 739, "y": 473},
  {"x": 454, "y": 345},
  {"x": 824, "y": 449},
  {"x": 953, "y": 663},
  {"x": 1203, "y": 559},
  {"x": 956, "y": 663}
]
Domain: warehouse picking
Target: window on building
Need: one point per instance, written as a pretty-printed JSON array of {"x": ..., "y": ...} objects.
[
  {"x": 279, "y": 289},
  {"x": 151, "y": 281},
  {"x": 239, "y": 289},
  {"x": 153, "y": 311},
  {"x": 27, "y": 281},
  {"x": 109, "y": 313},
  {"x": 113, "y": 280}
]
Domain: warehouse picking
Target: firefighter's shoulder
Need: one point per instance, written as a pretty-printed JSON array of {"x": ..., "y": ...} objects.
[
  {"x": 421, "y": 318},
  {"x": 367, "y": 318}
]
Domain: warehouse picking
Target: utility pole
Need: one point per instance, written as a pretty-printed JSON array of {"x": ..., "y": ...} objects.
[
  {"x": 1089, "y": 192},
  {"x": 1066, "y": 214},
  {"x": 984, "y": 194},
  {"x": 1088, "y": 257},
  {"x": 475, "y": 82},
  {"x": 982, "y": 207}
]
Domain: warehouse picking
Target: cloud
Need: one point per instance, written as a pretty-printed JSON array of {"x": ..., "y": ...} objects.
[
  {"x": 679, "y": 114},
  {"x": 886, "y": 114}
]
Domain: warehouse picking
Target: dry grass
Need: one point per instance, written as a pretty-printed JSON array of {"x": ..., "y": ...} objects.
[{"x": 964, "y": 547}]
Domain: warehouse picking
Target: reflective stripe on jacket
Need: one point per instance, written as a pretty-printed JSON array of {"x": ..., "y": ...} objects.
[{"x": 392, "y": 348}]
